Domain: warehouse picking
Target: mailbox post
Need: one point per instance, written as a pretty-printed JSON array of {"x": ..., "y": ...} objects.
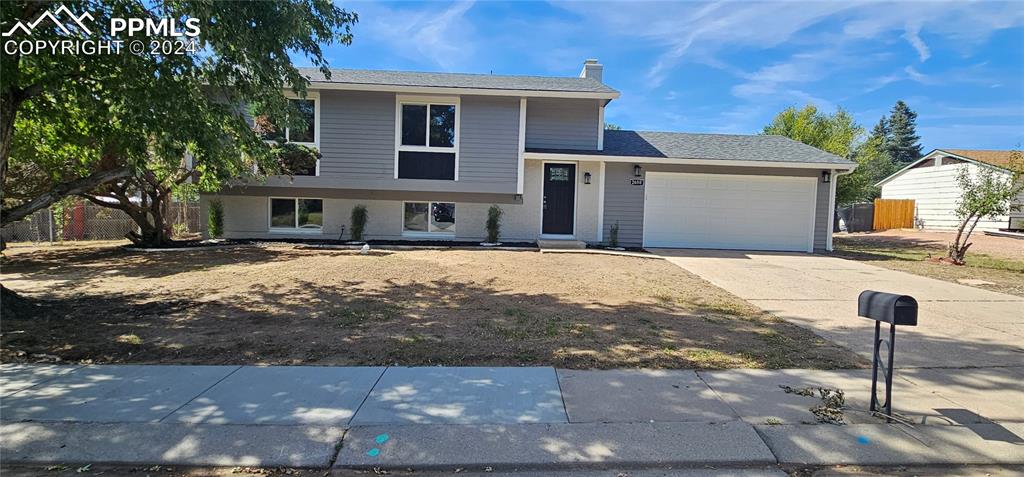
[{"x": 894, "y": 310}]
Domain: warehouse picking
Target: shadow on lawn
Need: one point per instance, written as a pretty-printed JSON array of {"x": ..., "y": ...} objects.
[{"x": 429, "y": 323}]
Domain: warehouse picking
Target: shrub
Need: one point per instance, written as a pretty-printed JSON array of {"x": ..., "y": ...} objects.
[
  {"x": 494, "y": 223},
  {"x": 613, "y": 235},
  {"x": 359, "y": 217},
  {"x": 215, "y": 225}
]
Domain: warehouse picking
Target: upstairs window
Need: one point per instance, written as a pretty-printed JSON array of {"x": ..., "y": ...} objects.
[
  {"x": 427, "y": 139},
  {"x": 302, "y": 135}
]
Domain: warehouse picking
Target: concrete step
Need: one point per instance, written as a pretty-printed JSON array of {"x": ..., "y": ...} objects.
[{"x": 561, "y": 244}]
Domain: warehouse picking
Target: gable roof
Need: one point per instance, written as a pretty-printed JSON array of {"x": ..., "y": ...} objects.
[
  {"x": 723, "y": 147},
  {"x": 411, "y": 79},
  {"x": 988, "y": 156},
  {"x": 991, "y": 157}
]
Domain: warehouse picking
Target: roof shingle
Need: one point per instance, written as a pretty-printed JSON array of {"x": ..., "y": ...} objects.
[
  {"x": 988, "y": 156},
  {"x": 460, "y": 80},
  {"x": 724, "y": 147}
]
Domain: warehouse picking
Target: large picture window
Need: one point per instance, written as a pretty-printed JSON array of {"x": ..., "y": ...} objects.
[
  {"x": 429, "y": 218},
  {"x": 296, "y": 214},
  {"x": 427, "y": 140}
]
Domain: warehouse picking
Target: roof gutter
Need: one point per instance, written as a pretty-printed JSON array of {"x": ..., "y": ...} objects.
[
  {"x": 327, "y": 85},
  {"x": 550, "y": 156}
]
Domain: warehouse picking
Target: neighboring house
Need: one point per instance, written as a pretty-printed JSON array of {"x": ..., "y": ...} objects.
[
  {"x": 429, "y": 153},
  {"x": 931, "y": 182}
]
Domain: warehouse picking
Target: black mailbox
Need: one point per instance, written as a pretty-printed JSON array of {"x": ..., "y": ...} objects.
[
  {"x": 895, "y": 310},
  {"x": 887, "y": 307}
]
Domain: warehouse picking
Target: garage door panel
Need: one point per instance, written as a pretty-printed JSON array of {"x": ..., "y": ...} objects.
[{"x": 729, "y": 211}]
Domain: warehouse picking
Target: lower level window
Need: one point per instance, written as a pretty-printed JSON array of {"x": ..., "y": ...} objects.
[
  {"x": 305, "y": 214},
  {"x": 429, "y": 217}
]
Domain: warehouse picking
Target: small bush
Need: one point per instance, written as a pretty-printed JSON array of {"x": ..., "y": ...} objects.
[
  {"x": 215, "y": 225},
  {"x": 613, "y": 235},
  {"x": 494, "y": 223},
  {"x": 359, "y": 218}
]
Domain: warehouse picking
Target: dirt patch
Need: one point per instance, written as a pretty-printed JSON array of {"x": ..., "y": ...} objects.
[
  {"x": 286, "y": 305},
  {"x": 993, "y": 263}
]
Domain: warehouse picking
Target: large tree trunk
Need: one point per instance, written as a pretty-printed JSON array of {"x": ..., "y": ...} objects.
[{"x": 149, "y": 214}]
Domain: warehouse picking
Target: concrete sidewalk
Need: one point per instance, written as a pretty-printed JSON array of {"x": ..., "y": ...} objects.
[{"x": 504, "y": 418}]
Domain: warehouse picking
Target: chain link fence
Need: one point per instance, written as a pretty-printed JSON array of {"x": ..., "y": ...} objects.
[{"x": 88, "y": 221}]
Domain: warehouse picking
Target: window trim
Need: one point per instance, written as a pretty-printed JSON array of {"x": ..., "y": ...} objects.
[
  {"x": 427, "y": 101},
  {"x": 313, "y": 96},
  {"x": 296, "y": 229},
  {"x": 428, "y": 233}
]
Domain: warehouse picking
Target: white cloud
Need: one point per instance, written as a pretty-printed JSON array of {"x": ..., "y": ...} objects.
[
  {"x": 441, "y": 38},
  {"x": 913, "y": 35}
]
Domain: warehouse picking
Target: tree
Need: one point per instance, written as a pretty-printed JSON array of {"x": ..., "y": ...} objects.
[
  {"x": 988, "y": 192},
  {"x": 119, "y": 125},
  {"x": 836, "y": 133},
  {"x": 903, "y": 142},
  {"x": 873, "y": 165},
  {"x": 612, "y": 127},
  {"x": 881, "y": 131}
]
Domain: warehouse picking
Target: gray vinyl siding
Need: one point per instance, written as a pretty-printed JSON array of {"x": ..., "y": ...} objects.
[
  {"x": 489, "y": 140},
  {"x": 624, "y": 203},
  {"x": 557, "y": 123},
  {"x": 357, "y": 140},
  {"x": 357, "y": 135}
]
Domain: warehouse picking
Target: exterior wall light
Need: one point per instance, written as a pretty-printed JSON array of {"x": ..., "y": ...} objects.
[
  {"x": 637, "y": 172},
  {"x": 586, "y": 177},
  {"x": 826, "y": 176}
]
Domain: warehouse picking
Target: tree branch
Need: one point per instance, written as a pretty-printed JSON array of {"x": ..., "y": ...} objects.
[{"x": 58, "y": 192}]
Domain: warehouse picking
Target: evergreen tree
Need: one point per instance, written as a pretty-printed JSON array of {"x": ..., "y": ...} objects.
[
  {"x": 903, "y": 144},
  {"x": 881, "y": 130}
]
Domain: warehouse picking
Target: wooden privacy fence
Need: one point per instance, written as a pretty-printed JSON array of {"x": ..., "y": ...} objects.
[{"x": 894, "y": 214}]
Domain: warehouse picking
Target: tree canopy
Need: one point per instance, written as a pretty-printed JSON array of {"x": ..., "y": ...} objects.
[
  {"x": 77, "y": 124},
  {"x": 836, "y": 133},
  {"x": 839, "y": 134},
  {"x": 902, "y": 139}
]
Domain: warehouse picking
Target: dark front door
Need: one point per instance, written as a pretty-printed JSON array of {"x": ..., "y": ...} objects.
[{"x": 559, "y": 198}]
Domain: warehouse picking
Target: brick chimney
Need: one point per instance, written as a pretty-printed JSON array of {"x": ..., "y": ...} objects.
[{"x": 592, "y": 69}]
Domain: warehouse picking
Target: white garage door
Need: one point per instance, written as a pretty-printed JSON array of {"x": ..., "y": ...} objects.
[{"x": 729, "y": 211}]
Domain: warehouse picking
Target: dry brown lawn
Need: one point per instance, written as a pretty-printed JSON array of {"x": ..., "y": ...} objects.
[
  {"x": 291, "y": 305},
  {"x": 998, "y": 262}
]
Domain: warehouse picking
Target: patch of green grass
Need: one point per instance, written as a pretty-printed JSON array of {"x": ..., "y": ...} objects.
[
  {"x": 131, "y": 339},
  {"x": 861, "y": 251},
  {"x": 709, "y": 358},
  {"x": 517, "y": 312},
  {"x": 358, "y": 313}
]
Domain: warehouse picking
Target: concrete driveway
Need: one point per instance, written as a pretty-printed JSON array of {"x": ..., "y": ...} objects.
[{"x": 958, "y": 326}]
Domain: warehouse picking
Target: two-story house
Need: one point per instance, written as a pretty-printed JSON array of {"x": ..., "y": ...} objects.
[{"x": 429, "y": 153}]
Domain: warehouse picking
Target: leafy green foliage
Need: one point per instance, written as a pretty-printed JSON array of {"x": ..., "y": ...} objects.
[
  {"x": 873, "y": 165},
  {"x": 986, "y": 192},
  {"x": 294, "y": 158},
  {"x": 215, "y": 225},
  {"x": 493, "y": 224},
  {"x": 612, "y": 127},
  {"x": 358, "y": 219},
  {"x": 903, "y": 142},
  {"x": 835, "y": 133},
  {"x": 66, "y": 117}
]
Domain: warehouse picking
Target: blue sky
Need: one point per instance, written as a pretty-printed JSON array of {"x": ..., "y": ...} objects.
[{"x": 730, "y": 66}]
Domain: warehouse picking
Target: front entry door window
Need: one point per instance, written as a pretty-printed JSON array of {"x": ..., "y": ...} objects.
[{"x": 559, "y": 198}]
